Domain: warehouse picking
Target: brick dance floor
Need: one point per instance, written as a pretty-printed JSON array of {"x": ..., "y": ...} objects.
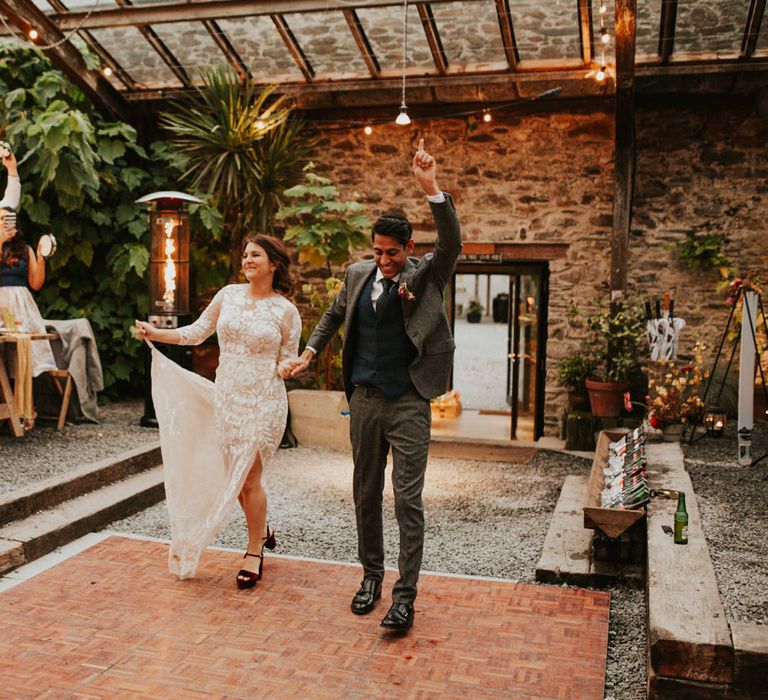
[{"x": 111, "y": 622}]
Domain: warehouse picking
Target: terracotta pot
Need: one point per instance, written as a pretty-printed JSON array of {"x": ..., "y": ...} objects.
[
  {"x": 578, "y": 401},
  {"x": 672, "y": 433},
  {"x": 606, "y": 398}
]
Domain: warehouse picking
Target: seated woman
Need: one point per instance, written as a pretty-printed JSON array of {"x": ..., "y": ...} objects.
[{"x": 20, "y": 271}]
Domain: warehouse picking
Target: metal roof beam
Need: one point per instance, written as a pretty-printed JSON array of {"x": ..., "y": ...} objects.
[
  {"x": 294, "y": 47},
  {"x": 366, "y": 51},
  {"x": 667, "y": 29},
  {"x": 433, "y": 37},
  {"x": 225, "y": 45},
  {"x": 67, "y": 58},
  {"x": 507, "y": 33},
  {"x": 752, "y": 30}
]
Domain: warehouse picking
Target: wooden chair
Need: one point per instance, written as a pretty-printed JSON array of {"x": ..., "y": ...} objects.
[{"x": 59, "y": 377}]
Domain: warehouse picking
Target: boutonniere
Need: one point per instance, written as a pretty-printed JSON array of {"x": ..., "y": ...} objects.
[{"x": 405, "y": 293}]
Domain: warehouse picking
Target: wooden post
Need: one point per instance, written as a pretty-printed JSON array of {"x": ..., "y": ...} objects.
[{"x": 624, "y": 156}]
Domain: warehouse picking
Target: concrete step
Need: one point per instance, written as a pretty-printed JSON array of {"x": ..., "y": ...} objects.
[
  {"x": 27, "y": 539},
  {"x": 51, "y": 492}
]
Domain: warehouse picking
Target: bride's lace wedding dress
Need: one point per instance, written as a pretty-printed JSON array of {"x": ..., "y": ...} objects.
[{"x": 211, "y": 432}]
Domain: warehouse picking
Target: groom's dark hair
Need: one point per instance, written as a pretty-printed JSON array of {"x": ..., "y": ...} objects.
[{"x": 393, "y": 222}]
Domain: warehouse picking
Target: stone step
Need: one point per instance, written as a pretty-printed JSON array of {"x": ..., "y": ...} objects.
[
  {"x": 688, "y": 633},
  {"x": 567, "y": 553},
  {"x": 27, "y": 539},
  {"x": 46, "y": 494}
]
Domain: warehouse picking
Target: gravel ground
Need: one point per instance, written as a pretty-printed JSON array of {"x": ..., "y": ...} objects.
[
  {"x": 43, "y": 452},
  {"x": 483, "y": 518},
  {"x": 733, "y": 501}
]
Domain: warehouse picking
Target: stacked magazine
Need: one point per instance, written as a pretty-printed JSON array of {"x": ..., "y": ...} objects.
[{"x": 626, "y": 484}]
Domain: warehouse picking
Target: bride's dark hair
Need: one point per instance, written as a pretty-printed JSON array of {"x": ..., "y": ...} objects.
[
  {"x": 278, "y": 255},
  {"x": 14, "y": 249}
]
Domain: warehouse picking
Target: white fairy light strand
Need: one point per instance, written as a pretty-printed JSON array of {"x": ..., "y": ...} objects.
[{"x": 63, "y": 40}]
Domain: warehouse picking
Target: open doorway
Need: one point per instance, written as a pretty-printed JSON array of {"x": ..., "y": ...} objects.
[{"x": 498, "y": 314}]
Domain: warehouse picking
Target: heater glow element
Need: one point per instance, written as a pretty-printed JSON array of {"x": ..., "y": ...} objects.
[{"x": 169, "y": 268}]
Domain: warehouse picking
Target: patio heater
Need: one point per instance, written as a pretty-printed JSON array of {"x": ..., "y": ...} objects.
[{"x": 168, "y": 278}]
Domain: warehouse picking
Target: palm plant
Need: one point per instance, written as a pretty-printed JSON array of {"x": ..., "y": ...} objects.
[{"x": 241, "y": 146}]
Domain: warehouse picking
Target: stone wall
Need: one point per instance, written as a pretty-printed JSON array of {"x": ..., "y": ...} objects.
[{"x": 549, "y": 177}]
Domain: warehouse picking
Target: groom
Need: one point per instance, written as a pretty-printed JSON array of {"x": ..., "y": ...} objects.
[{"x": 397, "y": 355}]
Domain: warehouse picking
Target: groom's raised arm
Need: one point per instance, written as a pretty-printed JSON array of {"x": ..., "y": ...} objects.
[{"x": 448, "y": 243}]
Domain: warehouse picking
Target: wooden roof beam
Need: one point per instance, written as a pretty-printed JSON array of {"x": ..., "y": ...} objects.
[
  {"x": 507, "y": 33},
  {"x": 585, "y": 30},
  {"x": 356, "y": 27},
  {"x": 752, "y": 29},
  {"x": 624, "y": 156},
  {"x": 293, "y": 46},
  {"x": 667, "y": 29},
  {"x": 225, "y": 45},
  {"x": 433, "y": 37},
  {"x": 67, "y": 58}
]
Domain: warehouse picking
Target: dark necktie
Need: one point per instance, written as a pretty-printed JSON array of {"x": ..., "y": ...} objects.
[{"x": 381, "y": 300}]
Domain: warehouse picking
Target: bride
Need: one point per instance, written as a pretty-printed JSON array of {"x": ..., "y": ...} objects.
[{"x": 216, "y": 438}]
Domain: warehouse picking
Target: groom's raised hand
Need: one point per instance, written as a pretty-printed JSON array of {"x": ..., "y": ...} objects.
[{"x": 425, "y": 170}]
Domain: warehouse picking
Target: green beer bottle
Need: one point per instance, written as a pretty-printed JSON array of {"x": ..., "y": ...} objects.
[{"x": 681, "y": 520}]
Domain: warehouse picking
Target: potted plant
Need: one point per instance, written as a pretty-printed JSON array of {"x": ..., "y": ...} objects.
[
  {"x": 475, "y": 311},
  {"x": 574, "y": 370},
  {"x": 615, "y": 339}
]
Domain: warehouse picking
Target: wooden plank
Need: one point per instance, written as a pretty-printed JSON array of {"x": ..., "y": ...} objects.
[
  {"x": 750, "y": 647},
  {"x": 67, "y": 58},
  {"x": 366, "y": 51},
  {"x": 433, "y": 37},
  {"x": 688, "y": 634},
  {"x": 667, "y": 26},
  {"x": 752, "y": 28}
]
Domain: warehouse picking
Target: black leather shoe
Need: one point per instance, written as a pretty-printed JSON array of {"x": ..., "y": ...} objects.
[
  {"x": 366, "y": 597},
  {"x": 399, "y": 617}
]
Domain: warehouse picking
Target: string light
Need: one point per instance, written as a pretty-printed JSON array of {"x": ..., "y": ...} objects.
[
  {"x": 487, "y": 118},
  {"x": 260, "y": 125},
  {"x": 605, "y": 39},
  {"x": 368, "y": 130},
  {"x": 403, "y": 119},
  {"x": 107, "y": 71},
  {"x": 600, "y": 75},
  {"x": 33, "y": 34}
]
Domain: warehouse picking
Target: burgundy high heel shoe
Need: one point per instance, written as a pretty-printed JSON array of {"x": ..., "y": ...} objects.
[{"x": 247, "y": 579}]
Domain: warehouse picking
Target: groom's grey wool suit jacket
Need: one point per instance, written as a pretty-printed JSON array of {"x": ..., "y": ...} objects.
[{"x": 424, "y": 316}]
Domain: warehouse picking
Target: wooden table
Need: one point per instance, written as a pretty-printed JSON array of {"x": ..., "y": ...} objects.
[{"x": 7, "y": 404}]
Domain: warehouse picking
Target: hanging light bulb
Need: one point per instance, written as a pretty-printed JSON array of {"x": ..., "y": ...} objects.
[
  {"x": 33, "y": 34},
  {"x": 603, "y": 9},
  {"x": 487, "y": 118},
  {"x": 605, "y": 37},
  {"x": 368, "y": 130},
  {"x": 403, "y": 119},
  {"x": 107, "y": 71},
  {"x": 260, "y": 124},
  {"x": 600, "y": 75}
]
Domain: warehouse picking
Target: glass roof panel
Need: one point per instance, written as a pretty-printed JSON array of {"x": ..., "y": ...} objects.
[
  {"x": 469, "y": 43},
  {"x": 384, "y": 28},
  {"x": 709, "y": 27},
  {"x": 762, "y": 37},
  {"x": 327, "y": 43},
  {"x": 137, "y": 57},
  {"x": 43, "y": 6},
  {"x": 259, "y": 45},
  {"x": 87, "y": 4},
  {"x": 192, "y": 46},
  {"x": 548, "y": 31},
  {"x": 647, "y": 28}
]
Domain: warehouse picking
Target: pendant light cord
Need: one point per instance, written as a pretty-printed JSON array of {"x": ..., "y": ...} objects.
[{"x": 405, "y": 43}]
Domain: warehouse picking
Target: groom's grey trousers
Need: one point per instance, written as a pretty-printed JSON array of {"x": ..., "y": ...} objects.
[{"x": 376, "y": 423}]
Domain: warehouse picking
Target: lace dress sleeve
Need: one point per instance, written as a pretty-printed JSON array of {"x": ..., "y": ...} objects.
[
  {"x": 12, "y": 193},
  {"x": 291, "y": 330},
  {"x": 204, "y": 327}
]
